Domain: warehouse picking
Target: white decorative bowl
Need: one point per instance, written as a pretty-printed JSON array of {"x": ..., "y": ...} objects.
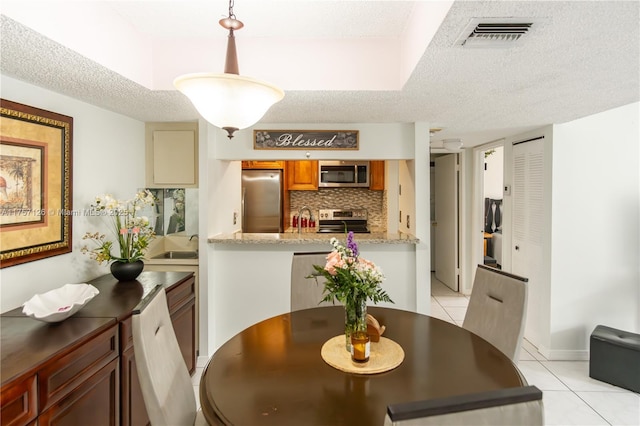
[{"x": 59, "y": 304}]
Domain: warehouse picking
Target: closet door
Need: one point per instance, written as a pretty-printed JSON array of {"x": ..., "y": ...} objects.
[{"x": 528, "y": 226}]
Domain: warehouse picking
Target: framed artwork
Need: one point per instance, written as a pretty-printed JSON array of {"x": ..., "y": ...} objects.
[
  {"x": 306, "y": 139},
  {"x": 35, "y": 183}
]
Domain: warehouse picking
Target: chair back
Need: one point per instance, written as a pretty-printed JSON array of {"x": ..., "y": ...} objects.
[
  {"x": 305, "y": 292},
  {"x": 164, "y": 379},
  {"x": 497, "y": 309},
  {"x": 508, "y": 407}
]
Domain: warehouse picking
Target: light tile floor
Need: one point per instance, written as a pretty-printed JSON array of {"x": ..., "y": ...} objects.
[{"x": 570, "y": 396}]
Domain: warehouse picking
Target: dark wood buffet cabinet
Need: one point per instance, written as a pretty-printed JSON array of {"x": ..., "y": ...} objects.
[{"x": 82, "y": 371}]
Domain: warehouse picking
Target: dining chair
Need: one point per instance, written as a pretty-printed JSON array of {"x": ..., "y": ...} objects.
[
  {"x": 305, "y": 292},
  {"x": 497, "y": 309},
  {"x": 166, "y": 386},
  {"x": 508, "y": 407}
]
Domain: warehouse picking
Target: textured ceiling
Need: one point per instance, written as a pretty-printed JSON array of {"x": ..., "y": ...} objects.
[{"x": 579, "y": 59}]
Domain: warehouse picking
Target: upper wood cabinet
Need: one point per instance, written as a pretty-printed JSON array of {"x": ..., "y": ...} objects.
[
  {"x": 263, "y": 165},
  {"x": 376, "y": 175},
  {"x": 171, "y": 155},
  {"x": 302, "y": 175}
]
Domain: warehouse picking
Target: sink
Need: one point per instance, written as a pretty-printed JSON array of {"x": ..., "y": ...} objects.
[{"x": 177, "y": 255}]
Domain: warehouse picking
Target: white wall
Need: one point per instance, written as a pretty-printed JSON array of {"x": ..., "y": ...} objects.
[
  {"x": 252, "y": 282},
  {"x": 390, "y": 141},
  {"x": 590, "y": 272},
  {"x": 421, "y": 226},
  {"x": 493, "y": 174},
  {"x": 406, "y": 197},
  {"x": 391, "y": 188},
  {"x": 108, "y": 156},
  {"x": 595, "y": 277}
]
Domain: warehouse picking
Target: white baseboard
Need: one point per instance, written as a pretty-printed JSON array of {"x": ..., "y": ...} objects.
[
  {"x": 564, "y": 355},
  {"x": 201, "y": 361}
]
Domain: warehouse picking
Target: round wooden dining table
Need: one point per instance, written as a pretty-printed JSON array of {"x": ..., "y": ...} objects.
[{"x": 272, "y": 373}]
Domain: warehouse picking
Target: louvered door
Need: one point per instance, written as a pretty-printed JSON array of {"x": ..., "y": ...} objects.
[{"x": 528, "y": 226}]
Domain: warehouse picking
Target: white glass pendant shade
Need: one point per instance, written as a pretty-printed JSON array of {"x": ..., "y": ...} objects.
[{"x": 229, "y": 100}]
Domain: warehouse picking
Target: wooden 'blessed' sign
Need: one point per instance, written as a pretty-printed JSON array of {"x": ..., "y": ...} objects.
[{"x": 305, "y": 139}]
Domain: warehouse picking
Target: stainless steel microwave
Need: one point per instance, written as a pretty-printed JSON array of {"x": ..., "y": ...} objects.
[{"x": 343, "y": 174}]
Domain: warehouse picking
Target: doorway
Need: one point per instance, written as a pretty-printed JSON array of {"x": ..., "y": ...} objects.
[
  {"x": 488, "y": 205},
  {"x": 444, "y": 225},
  {"x": 492, "y": 206}
]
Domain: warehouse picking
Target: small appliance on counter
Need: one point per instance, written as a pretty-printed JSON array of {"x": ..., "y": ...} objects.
[
  {"x": 262, "y": 201},
  {"x": 335, "y": 221}
]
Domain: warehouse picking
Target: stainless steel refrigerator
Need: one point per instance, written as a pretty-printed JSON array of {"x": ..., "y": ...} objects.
[{"x": 262, "y": 201}]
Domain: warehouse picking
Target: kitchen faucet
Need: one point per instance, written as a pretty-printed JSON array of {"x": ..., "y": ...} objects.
[
  {"x": 300, "y": 216},
  {"x": 193, "y": 236}
]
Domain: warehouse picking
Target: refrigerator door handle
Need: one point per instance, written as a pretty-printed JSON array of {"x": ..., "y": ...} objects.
[{"x": 244, "y": 192}]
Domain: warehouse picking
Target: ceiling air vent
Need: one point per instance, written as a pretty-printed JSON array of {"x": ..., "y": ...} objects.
[{"x": 497, "y": 32}]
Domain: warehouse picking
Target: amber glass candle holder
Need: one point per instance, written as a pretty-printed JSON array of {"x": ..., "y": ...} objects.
[{"x": 360, "y": 346}]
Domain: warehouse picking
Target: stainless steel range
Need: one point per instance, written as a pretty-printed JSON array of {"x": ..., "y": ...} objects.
[{"x": 334, "y": 221}]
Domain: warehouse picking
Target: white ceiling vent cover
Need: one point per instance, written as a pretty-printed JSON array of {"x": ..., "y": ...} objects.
[{"x": 494, "y": 32}]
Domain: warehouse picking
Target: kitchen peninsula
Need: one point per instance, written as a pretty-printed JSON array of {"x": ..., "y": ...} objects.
[
  {"x": 293, "y": 237},
  {"x": 254, "y": 272}
]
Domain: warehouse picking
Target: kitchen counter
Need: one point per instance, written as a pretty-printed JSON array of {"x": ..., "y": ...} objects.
[
  {"x": 165, "y": 261},
  {"x": 253, "y": 273},
  {"x": 291, "y": 237}
]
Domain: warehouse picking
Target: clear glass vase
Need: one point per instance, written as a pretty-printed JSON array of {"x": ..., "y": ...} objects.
[{"x": 355, "y": 318}]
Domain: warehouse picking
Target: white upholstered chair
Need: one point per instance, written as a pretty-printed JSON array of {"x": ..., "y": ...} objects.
[
  {"x": 305, "y": 292},
  {"x": 497, "y": 309},
  {"x": 166, "y": 385},
  {"x": 508, "y": 407}
]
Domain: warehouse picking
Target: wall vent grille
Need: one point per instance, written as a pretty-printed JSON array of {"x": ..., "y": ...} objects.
[{"x": 494, "y": 33}]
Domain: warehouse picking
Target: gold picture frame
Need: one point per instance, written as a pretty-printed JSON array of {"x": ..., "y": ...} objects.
[{"x": 35, "y": 183}]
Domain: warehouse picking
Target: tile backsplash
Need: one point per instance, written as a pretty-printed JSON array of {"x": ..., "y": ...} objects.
[{"x": 343, "y": 198}]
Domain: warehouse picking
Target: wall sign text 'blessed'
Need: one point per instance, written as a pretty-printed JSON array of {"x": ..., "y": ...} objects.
[{"x": 305, "y": 139}]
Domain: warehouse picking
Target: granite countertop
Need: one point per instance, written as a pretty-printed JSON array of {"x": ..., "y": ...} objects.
[{"x": 291, "y": 237}]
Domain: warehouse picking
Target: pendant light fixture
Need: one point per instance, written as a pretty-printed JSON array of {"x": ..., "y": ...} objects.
[{"x": 229, "y": 101}]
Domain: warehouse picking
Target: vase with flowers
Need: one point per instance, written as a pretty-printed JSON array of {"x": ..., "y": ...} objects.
[
  {"x": 130, "y": 230},
  {"x": 351, "y": 280}
]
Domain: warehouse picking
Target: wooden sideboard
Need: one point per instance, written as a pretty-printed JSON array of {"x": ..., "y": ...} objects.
[{"x": 82, "y": 370}]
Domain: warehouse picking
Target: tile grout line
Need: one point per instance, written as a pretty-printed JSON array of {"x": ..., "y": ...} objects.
[
  {"x": 444, "y": 309},
  {"x": 574, "y": 392},
  {"x": 535, "y": 358}
]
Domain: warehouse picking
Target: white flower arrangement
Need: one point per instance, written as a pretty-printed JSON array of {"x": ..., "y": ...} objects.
[{"x": 132, "y": 233}]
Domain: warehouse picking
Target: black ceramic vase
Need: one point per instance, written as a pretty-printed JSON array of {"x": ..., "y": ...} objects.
[{"x": 124, "y": 271}]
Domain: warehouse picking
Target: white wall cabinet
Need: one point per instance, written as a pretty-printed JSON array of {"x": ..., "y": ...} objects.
[{"x": 171, "y": 155}]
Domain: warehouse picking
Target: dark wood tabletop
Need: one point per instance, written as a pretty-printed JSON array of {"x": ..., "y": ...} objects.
[{"x": 272, "y": 373}]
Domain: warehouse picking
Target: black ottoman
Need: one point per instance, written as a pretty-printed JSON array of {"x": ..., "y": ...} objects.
[{"x": 615, "y": 357}]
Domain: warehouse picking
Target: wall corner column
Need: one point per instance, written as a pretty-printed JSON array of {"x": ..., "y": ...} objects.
[{"x": 422, "y": 217}]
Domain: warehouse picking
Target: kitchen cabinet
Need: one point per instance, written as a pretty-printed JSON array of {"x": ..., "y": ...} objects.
[
  {"x": 263, "y": 165},
  {"x": 171, "y": 155},
  {"x": 302, "y": 175},
  {"x": 82, "y": 370},
  {"x": 376, "y": 175},
  {"x": 181, "y": 265}
]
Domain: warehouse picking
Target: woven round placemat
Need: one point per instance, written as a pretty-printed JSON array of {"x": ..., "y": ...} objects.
[{"x": 384, "y": 355}]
